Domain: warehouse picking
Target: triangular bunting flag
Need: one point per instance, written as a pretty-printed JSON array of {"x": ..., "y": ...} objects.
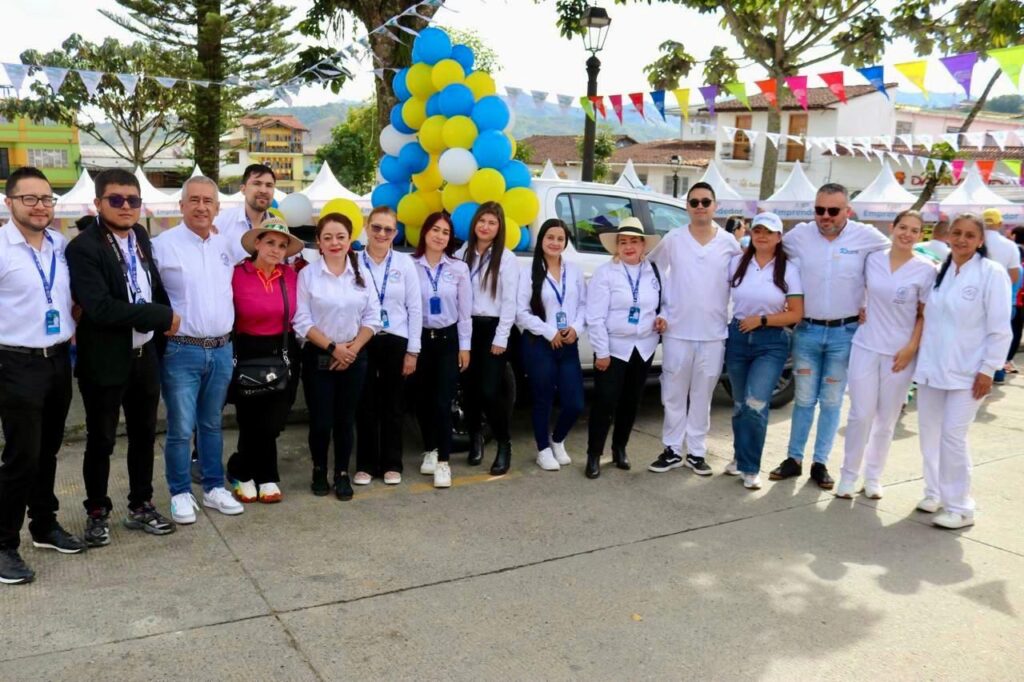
[
  {"x": 598, "y": 101},
  {"x": 952, "y": 139},
  {"x": 1010, "y": 59},
  {"x": 293, "y": 87},
  {"x": 637, "y": 99},
  {"x": 658, "y": 97},
  {"x": 206, "y": 84},
  {"x": 1000, "y": 138},
  {"x": 773, "y": 138},
  {"x": 798, "y": 85},
  {"x": 927, "y": 141},
  {"x": 847, "y": 143},
  {"x": 907, "y": 140},
  {"x": 91, "y": 80},
  {"x": 16, "y": 73},
  {"x": 616, "y": 101},
  {"x": 834, "y": 81},
  {"x": 539, "y": 98},
  {"x": 283, "y": 95},
  {"x": 1015, "y": 166},
  {"x": 729, "y": 131},
  {"x": 769, "y": 89},
  {"x": 985, "y": 167},
  {"x": 588, "y": 107},
  {"x": 752, "y": 135},
  {"x": 682, "y": 96},
  {"x": 975, "y": 139},
  {"x": 739, "y": 91},
  {"x": 885, "y": 140},
  {"x": 915, "y": 72},
  {"x": 796, "y": 139},
  {"x": 876, "y": 76},
  {"x": 129, "y": 81},
  {"x": 55, "y": 76},
  {"x": 709, "y": 93},
  {"x": 564, "y": 102},
  {"x": 513, "y": 94},
  {"x": 895, "y": 157},
  {"x": 166, "y": 81},
  {"x": 956, "y": 167},
  {"x": 961, "y": 67}
]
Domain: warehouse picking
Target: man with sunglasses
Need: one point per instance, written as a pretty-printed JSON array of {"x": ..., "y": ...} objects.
[
  {"x": 258, "y": 184},
  {"x": 35, "y": 371},
  {"x": 123, "y": 306},
  {"x": 830, "y": 252}
]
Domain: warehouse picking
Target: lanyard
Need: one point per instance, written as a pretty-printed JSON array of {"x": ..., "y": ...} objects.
[
  {"x": 47, "y": 285},
  {"x": 381, "y": 291},
  {"x": 130, "y": 269},
  {"x": 483, "y": 262},
  {"x": 559, "y": 296},
  {"x": 634, "y": 286},
  {"x": 434, "y": 281}
]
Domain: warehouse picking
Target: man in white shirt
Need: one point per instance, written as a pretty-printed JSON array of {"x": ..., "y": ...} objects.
[
  {"x": 258, "y": 184},
  {"x": 1005, "y": 252},
  {"x": 830, "y": 253},
  {"x": 936, "y": 248},
  {"x": 35, "y": 371},
  {"x": 196, "y": 267}
]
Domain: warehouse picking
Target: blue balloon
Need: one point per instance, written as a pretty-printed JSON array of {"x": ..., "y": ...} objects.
[
  {"x": 273, "y": 203},
  {"x": 392, "y": 170},
  {"x": 399, "y": 87},
  {"x": 396, "y": 120},
  {"x": 492, "y": 149},
  {"x": 456, "y": 100},
  {"x": 400, "y": 237},
  {"x": 432, "y": 45},
  {"x": 462, "y": 219},
  {"x": 524, "y": 240},
  {"x": 389, "y": 194},
  {"x": 434, "y": 105},
  {"x": 516, "y": 174},
  {"x": 490, "y": 113},
  {"x": 414, "y": 158},
  {"x": 464, "y": 56}
]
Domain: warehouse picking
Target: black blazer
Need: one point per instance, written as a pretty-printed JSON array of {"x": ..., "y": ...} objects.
[{"x": 104, "y": 333}]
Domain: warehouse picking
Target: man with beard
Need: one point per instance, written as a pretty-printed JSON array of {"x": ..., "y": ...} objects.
[{"x": 258, "y": 182}]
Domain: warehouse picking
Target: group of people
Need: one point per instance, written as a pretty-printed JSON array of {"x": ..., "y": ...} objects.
[{"x": 223, "y": 308}]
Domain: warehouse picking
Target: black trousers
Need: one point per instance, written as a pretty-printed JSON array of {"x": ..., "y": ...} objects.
[
  {"x": 35, "y": 393},
  {"x": 617, "y": 392},
  {"x": 138, "y": 397},
  {"x": 261, "y": 419},
  {"x": 482, "y": 383},
  {"x": 331, "y": 397},
  {"x": 380, "y": 417},
  {"x": 437, "y": 373}
]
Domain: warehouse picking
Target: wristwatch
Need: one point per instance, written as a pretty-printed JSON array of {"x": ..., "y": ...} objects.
[
  {"x": 330, "y": 348},
  {"x": 764, "y": 320}
]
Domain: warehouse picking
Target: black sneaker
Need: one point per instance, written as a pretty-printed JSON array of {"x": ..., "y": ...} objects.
[
  {"x": 13, "y": 569},
  {"x": 147, "y": 519},
  {"x": 666, "y": 461},
  {"x": 820, "y": 474},
  {"x": 320, "y": 486},
  {"x": 788, "y": 469},
  {"x": 97, "y": 528},
  {"x": 343, "y": 487},
  {"x": 60, "y": 540},
  {"x": 699, "y": 466}
]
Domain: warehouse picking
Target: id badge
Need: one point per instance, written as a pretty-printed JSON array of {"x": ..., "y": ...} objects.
[
  {"x": 140, "y": 301},
  {"x": 634, "y": 315},
  {"x": 384, "y": 318},
  {"x": 562, "y": 320},
  {"x": 52, "y": 322},
  {"x": 435, "y": 305}
]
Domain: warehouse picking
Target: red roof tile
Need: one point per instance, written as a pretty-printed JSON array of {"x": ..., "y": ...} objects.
[
  {"x": 263, "y": 120},
  {"x": 561, "y": 149},
  {"x": 660, "y": 152}
]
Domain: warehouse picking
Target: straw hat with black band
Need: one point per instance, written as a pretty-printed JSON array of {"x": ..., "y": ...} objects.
[
  {"x": 629, "y": 227},
  {"x": 271, "y": 224}
]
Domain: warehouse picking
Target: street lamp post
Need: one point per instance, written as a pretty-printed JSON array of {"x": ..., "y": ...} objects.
[
  {"x": 595, "y": 23},
  {"x": 676, "y": 162}
]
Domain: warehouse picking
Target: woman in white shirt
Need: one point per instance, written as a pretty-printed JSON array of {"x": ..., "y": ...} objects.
[
  {"x": 767, "y": 299},
  {"x": 391, "y": 355},
  {"x": 552, "y": 313},
  {"x": 623, "y": 302},
  {"x": 337, "y": 314},
  {"x": 494, "y": 274},
  {"x": 884, "y": 353},
  {"x": 966, "y": 335},
  {"x": 447, "y": 304}
]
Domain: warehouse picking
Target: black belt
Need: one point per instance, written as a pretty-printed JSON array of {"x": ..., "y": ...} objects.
[
  {"x": 48, "y": 352},
  {"x": 832, "y": 323},
  {"x": 202, "y": 342},
  {"x": 139, "y": 352},
  {"x": 442, "y": 333}
]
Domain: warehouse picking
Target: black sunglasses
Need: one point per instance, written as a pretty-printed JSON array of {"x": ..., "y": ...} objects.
[
  {"x": 378, "y": 229},
  {"x": 831, "y": 210},
  {"x": 119, "y": 200},
  {"x": 705, "y": 202}
]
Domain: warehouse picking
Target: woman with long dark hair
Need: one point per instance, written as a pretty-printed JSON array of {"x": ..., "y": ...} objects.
[
  {"x": 552, "y": 314},
  {"x": 767, "y": 298}
]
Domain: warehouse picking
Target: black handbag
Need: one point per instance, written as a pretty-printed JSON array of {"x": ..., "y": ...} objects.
[{"x": 268, "y": 374}]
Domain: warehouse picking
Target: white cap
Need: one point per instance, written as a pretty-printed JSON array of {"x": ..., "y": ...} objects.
[{"x": 767, "y": 220}]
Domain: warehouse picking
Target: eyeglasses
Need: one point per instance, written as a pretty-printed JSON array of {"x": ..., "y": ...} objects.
[
  {"x": 382, "y": 229},
  {"x": 31, "y": 200},
  {"x": 119, "y": 200},
  {"x": 705, "y": 202},
  {"x": 831, "y": 210}
]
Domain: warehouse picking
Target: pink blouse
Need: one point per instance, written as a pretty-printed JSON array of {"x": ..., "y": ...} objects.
[{"x": 259, "y": 306}]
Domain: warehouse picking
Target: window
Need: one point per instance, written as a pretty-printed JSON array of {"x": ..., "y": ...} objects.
[
  {"x": 684, "y": 184},
  {"x": 904, "y": 127},
  {"x": 5, "y": 163},
  {"x": 667, "y": 218},
  {"x": 740, "y": 141},
  {"x": 591, "y": 214},
  {"x": 48, "y": 158},
  {"x": 795, "y": 151},
  {"x": 952, "y": 129}
]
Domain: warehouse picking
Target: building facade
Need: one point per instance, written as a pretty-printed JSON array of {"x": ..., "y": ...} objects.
[
  {"x": 277, "y": 141},
  {"x": 51, "y": 147}
]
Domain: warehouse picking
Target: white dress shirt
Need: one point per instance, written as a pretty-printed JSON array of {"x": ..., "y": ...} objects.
[
  {"x": 757, "y": 293},
  {"x": 1002, "y": 250},
  {"x": 335, "y": 304},
  {"x": 22, "y": 294},
  {"x": 609, "y": 298},
  {"x": 939, "y": 248},
  {"x": 892, "y": 299},
  {"x": 197, "y": 275},
  {"x": 142, "y": 279},
  {"x": 966, "y": 326},
  {"x": 402, "y": 302},
  {"x": 696, "y": 302},
  {"x": 832, "y": 272},
  {"x": 503, "y": 303},
  {"x": 455, "y": 292},
  {"x": 233, "y": 223},
  {"x": 574, "y": 301}
]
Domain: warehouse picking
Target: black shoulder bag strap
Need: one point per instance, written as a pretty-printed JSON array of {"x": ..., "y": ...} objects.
[
  {"x": 285, "y": 330},
  {"x": 657, "y": 276}
]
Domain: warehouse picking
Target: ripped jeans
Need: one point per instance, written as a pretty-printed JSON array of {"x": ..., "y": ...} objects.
[
  {"x": 821, "y": 356},
  {"x": 754, "y": 362}
]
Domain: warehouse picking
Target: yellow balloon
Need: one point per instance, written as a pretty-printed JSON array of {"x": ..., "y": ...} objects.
[
  {"x": 453, "y": 196},
  {"x": 412, "y": 210},
  {"x": 480, "y": 83},
  {"x": 274, "y": 212},
  {"x": 513, "y": 233},
  {"x": 487, "y": 184},
  {"x": 412, "y": 235},
  {"x": 514, "y": 145},
  {"x": 350, "y": 210},
  {"x": 419, "y": 82},
  {"x": 431, "y": 199},
  {"x": 431, "y": 134},
  {"x": 521, "y": 205},
  {"x": 430, "y": 179},
  {"x": 459, "y": 131},
  {"x": 446, "y": 72},
  {"x": 414, "y": 112}
]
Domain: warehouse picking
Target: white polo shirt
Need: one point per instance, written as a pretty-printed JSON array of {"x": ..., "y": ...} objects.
[
  {"x": 196, "y": 274},
  {"x": 400, "y": 285},
  {"x": 335, "y": 304},
  {"x": 1002, "y": 250},
  {"x": 609, "y": 299},
  {"x": 939, "y": 249},
  {"x": 22, "y": 294},
  {"x": 233, "y": 223},
  {"x": 757, "y": 293},
  {"x": 892, "y": 300}
]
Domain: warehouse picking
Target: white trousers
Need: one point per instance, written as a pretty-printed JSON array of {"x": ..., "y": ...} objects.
[
  {"x": 944, "y": 417},
  {"x": 876, "y": 398},
  {"x": 689, "y": 373}
]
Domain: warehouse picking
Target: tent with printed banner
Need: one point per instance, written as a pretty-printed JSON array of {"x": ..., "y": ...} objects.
[
  {"x": 885, "y": 198},
  {"x": 326, "y": 187},
  {"x": 155, "y": 202},
  {"x": 728, "y": 200},
  {"x": 79, "y": 200},
  {"x": 974, "y": 196},
  {"x": 795, "y": 199}
]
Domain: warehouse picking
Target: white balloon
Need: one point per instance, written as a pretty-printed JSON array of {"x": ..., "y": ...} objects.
[
  {"x": 297, "y": 209},
  {"x": 511, "y": 121},
  {"x": 392, "y": 141},
  {"x": 457, "y": 166}
]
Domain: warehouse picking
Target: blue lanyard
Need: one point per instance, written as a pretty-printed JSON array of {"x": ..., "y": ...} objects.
[
  {"x": 133, "y": 268},
  {"x": 634, "y": 286},
  {"x": 381, "y": 291},
  {"x": 560, "y": 297},
  {"x": 483, "y": 261},
  {"x": 47, "y": 285},
  {"x": 434, "y": 281}
]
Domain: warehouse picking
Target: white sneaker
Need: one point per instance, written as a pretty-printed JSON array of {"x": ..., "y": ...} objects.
[
  {"x": 752, "y": 481},
  {"x": 952, "y": 520},
  {"x": 392, "y": 478},
  {"x": 223, "y": 501},
  {"x": 546, "y": 460},
  {"x": 429, "y": 465},
  {"x": 731, "y": 469},
  {"x": 443, "y": 475},
  {"x": 846, "y": 488},
  {"x": 245, "y": 491},
  {"x": 873, "y": 490},
  {"x": 269, "y": 493},
  {"x": 561, "y": 456},
  {"x": 183, "y": 508},
  {"x": 362, "y": 478},
  {"x": 929, "y": 505}
]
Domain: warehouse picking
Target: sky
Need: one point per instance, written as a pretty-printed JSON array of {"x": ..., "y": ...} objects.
[{"x": 523, "y": 34}]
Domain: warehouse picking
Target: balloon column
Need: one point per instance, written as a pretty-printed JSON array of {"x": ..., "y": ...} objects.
[{"x": 448, "y": 145}]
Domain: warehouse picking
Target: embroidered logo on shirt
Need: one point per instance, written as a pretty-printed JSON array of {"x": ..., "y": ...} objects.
[
  {"x": 225, "y": 260},
  {"x": 969, "y": 293},
  {"x": 846, "y": 251},
  {"x": 901, "y": 295},
  {"x": 395, "y": 276},
  {"x": 448, "y": 276}
]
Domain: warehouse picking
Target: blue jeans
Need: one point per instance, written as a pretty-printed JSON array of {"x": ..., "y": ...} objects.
[
  {"x": 754, "y": 362},
  {"x": 821, "y": 356},
  {"x": 552, "y": 370},
  {"x": 195, "y": 385}
]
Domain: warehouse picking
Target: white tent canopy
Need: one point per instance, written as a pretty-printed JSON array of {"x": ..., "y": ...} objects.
[
  {"x": 795, "y": 199},
  {"x": 4, "y": 211},
  {"x": 326, "y": 187},
  {"x": 974, "y": 196},
  {"x": 885, "y": 198},
  {"x": 728, "y": 199},
  {"x": 196, "y": 172},
  {"x": 549, "y": 172},
  {"x": 157, "y": 202},
  {"x": 629, "y": 178},
  {"x": 78, "y": 201}
]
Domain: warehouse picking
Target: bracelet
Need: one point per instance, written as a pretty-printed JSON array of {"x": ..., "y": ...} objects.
[
  {"x": 764, "y": 320},
  {"x": 330, "y": 348}
]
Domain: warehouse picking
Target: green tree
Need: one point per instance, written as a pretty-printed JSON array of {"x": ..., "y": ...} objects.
[
  {"x": 245, "y": 41},
  {"x": 524, "y": 152},
  {"x": 144, "y": 122},
  {"x": 352, "y": 151},
  {"x": 1006, "y": 104},
  {"x": 604, "y": 147}
]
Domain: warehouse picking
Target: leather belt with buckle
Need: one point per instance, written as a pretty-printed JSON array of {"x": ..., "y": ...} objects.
[
  {"x": 202, "y": 342},
  {"x": 47, "y": 352},
  {"x": 832, "y": 323}
]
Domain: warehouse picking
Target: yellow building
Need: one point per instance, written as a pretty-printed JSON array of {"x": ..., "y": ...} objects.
[
  {"x": 51, "y": 147},
  {"x": 276, "y": 141}
]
